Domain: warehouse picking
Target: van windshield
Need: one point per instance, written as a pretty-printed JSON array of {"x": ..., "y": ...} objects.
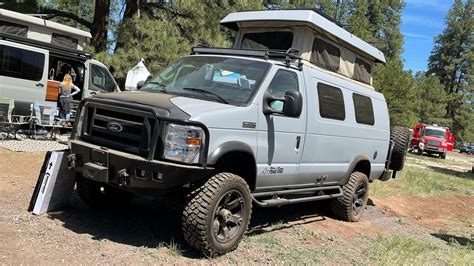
[{"x": 220, "y": 79}]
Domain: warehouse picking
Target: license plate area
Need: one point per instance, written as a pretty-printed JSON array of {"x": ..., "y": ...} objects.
[{"x": 98, "y": 168}]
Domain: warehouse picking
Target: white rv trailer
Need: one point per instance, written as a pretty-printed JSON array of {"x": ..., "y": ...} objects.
[
  {"x": 321, "y": 42},
  {"x": 35, "y": 54}
]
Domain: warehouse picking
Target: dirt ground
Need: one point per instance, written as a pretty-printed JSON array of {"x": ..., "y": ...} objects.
[{"x": 149, "y": 231}]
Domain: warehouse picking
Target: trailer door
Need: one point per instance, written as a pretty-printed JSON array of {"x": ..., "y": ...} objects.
[{"x": 23, "y": 74}]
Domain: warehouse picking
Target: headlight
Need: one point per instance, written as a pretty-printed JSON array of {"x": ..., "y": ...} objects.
[
  {"x": 183, "y": 143},
  {"x": 79, "y": 122}
]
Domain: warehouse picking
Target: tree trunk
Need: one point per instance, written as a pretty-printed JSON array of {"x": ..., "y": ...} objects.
[
  {"x": 132, "y": 8},
  {"x": 100, "y": 25}
]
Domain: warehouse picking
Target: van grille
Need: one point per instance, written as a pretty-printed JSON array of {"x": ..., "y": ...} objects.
[{"x": 134, "y": 134}]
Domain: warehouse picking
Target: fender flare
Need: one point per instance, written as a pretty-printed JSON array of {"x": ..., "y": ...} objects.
[
  {"x": 231, "y": 146},
  {"x": 350, "y": 170}
]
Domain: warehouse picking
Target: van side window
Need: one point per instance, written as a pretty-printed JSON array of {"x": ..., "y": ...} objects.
[
  {"x": 281, "y": 83},
  {"x": 100, "y": 79},
  {"x": 19, "y": 63},
  {"x": 331, "y": 102},
  {"x": 364, "y": 110},
  {"x": 325, "y": 55}
]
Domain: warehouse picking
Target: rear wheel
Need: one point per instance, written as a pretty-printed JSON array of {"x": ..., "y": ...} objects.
[
  {"x": 217, "y": 214},
  {"x": 401, "y": 138},
  {"x": 350, "y": 206},
  {"x": 442, "y": 155},
  {"x": 101, "y": 196}
]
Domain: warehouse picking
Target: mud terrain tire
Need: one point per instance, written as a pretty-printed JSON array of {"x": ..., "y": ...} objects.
[
  {"x": 217, "y": 214},
  {"x": 101, "y": 196},
  {"x": 349, "y": 207},
  {"x": 401, "y": 138}
]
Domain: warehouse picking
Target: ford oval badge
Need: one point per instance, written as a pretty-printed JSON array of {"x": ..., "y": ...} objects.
[{"x": 114, "y": 126}]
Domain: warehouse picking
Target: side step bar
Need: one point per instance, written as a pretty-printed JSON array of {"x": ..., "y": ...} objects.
[{"x": 277, "y": 201}]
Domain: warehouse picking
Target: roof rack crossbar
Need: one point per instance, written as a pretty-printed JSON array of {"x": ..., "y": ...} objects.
[{"x": 290, "y": 54}]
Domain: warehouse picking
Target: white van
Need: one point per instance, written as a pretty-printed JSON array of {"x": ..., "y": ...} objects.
[
  {"x": 243, "y": 127},
  {"x": 35, "y": 54}
]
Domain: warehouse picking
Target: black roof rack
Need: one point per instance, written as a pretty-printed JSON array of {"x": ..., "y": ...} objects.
[
  {"x": 289, "y": 55},
  {"x": 53, "y": 49}
]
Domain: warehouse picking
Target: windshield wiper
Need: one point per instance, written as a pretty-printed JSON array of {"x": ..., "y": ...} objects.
[{"x": 209, "y": 93}]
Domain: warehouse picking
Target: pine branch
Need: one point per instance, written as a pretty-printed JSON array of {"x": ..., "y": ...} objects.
[{"x": 52, "y": 13}]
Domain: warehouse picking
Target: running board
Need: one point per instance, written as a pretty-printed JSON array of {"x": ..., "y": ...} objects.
[{"x": 277, "y": 201}]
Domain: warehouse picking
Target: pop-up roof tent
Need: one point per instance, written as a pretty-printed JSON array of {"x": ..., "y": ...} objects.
[
  {"x": 321, "y": 42},
  {"x": 38, "y": 29}
]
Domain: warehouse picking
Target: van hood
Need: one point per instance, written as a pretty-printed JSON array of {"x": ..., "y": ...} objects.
[
  {"x": 161, "y": 103},
  {"x": 196, "y": 107}
]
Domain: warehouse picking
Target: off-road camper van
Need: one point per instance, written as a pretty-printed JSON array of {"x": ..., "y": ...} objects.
[
  {"x": 36, "y": 53},
  {"x": 288, "y": 115}
]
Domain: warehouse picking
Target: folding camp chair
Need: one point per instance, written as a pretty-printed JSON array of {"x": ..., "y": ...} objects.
[{"x": 6, "y": 109}]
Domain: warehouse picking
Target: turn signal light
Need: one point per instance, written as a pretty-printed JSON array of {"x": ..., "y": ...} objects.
[{"x": 193, "y": 141}]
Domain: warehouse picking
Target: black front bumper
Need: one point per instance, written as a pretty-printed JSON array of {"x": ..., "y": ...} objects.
[{"x": 131, "y": 171}]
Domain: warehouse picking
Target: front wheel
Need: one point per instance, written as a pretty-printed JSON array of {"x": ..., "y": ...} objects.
[
  {"x": 217, "y": 214},
  {"x": 350, "y": 205}
]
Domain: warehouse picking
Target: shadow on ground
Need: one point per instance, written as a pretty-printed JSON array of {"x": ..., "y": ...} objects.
[
  {"x": 464, "y": 241},
  {"x": 150, "y": 223},
  {"x": 452, "y": 172}
]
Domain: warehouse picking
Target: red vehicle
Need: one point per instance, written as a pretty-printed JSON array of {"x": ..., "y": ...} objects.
[{"x": 432, "y": 139}]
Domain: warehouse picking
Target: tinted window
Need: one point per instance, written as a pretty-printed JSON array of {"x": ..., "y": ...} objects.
[
  {"x": 362, "y": 71},
  {"x": 19, "y": 63},
  {"x": 364, "y": 111},
  {"x": 325, "y": 55},
  {"x": 277, "y": 40},
  {"x": 331, "y": 102},
  {"x": 283, "y": 82},
  {"x": 101, "y": 79}
]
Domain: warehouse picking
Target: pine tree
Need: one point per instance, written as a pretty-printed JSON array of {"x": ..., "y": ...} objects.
[
  {"x": 451, "y": 60},
  {"x": 432, "y": 99}
]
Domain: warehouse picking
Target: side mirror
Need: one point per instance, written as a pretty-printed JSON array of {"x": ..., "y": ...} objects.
[
  {"x": 292, "y": 104},
  {"x": 140, "y": 84}
]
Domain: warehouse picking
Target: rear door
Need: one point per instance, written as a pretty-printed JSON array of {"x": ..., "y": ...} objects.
[
  {"x": 97, "y": 79},
  {"x": 23, "y": 74}
]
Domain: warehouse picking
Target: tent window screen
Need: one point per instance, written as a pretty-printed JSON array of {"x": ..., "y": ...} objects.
[
  {"x": 63, "y": 40},
  {"x": 276, "y": 40},
  {"x": 364, "y": 110},
  {"x": 325, "y": 55},
  {"x": 362, "y": 71},
  {"x": 13, "y": 28},
  {"x": 19, "y": 63},
  {"x": 331, "y": 102}
]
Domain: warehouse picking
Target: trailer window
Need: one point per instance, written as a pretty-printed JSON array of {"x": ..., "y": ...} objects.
[
  {"x": 19, "y": 63},
  {"x": 325, "y": 55},
  {"x": 276, "y": 40},
  {"x": 101, "y": 80},
  {"x": 364, "y": 111},
  {"x": 331, "y": 102}
]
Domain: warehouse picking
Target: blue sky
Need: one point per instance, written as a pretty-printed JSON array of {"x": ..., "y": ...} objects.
[{"x": 422, "y": 21}]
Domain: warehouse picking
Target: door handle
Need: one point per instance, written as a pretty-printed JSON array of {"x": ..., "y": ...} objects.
[
  {"x": 298, "y": 141},
  {"x": 41, "y": 85}
]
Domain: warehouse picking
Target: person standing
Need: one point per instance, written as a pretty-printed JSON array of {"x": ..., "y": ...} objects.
[{"x": 66, "y": 92}]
